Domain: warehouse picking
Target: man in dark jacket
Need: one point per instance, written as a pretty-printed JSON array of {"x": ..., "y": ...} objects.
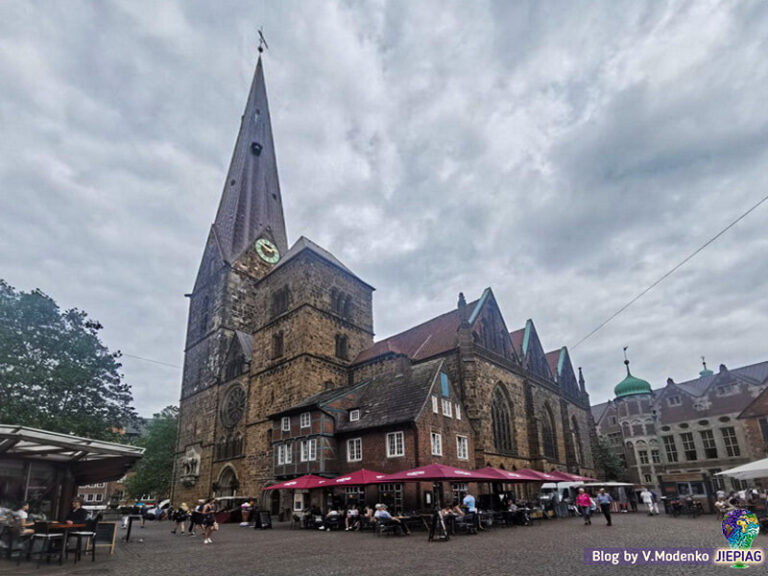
[{"x": 78, "y": 514}]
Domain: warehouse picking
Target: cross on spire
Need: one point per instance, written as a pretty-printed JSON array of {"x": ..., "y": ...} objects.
[{"x": 262, "y": 41}]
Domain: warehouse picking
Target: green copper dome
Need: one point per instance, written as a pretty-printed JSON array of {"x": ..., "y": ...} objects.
[{"x": 631, "y": 385}]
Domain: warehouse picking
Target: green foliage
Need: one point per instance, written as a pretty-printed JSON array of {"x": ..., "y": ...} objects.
[
  {"x": 607, "y": 462},
  {"x": 55, "y": 373},
  {"x": 154, "y": 472}
]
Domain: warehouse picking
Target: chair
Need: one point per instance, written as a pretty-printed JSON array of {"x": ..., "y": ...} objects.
[
  {"x": 295, "y": 521},
  {"x": 48, "y": 539},
  {"x": 466, "y": 523},
  {"x": 88, "y": 536},
  {"x": 387, "y": 526}
]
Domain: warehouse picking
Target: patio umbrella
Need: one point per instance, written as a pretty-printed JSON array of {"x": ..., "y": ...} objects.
[
  {"x": 301, "y": 483},
  {"x": 510, "y": 475},
  {"x": 756, "y": 469},
  {"x": 438, "y": 473},
  {"x": 543, "y": 476},
  {"x": 568, "y": 477},
  {"x": 362, "y": 477}
]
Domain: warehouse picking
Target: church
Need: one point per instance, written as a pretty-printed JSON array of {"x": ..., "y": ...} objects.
[{"x": 282, "y": 376}]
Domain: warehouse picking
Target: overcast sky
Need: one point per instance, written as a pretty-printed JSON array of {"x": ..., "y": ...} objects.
[{"x": 566, "y": 154}]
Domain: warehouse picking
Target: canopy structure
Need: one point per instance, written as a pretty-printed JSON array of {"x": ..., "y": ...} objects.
[
  {"x": 756, "y": 469},
  {"x": 509, "y": 475},
  {"x": 89, "y": 460},
  {"x": 606, "y": 484},
  {"x": 542, "y": 476},
  {"x": 439, "y": 472},
  {"x": 362, "y": 477},
  {"x": 300, "y": 483},
  {"x": 568, "y": 477}
]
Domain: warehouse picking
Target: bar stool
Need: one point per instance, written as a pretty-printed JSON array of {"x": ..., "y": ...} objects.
[{"x": 47, "y": 538}]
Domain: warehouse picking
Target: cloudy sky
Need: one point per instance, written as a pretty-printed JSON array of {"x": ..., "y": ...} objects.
[{"x": 566, "y": 154}]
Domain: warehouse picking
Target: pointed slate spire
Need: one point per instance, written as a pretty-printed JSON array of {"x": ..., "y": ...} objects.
[{"x": 251, "y": 205}]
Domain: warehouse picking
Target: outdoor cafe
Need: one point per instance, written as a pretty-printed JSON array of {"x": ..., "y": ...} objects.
[
  {"x": 43, "y": 469},
  {"x": 413, "y": 497}
]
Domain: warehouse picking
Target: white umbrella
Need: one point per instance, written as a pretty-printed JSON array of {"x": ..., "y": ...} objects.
[{"x": 757, "y": 469}]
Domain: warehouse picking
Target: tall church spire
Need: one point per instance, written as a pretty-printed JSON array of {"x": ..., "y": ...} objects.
[{"x": 251, "y": 205}]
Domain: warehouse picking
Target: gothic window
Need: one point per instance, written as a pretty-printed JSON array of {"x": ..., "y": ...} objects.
[
  {"x": 277, "y": 345},
  {"x": 347, "y": 307},
  {"x": 233, "y": 407},
  {"x": 341, "y": 303},
  {"x": 341, "y": 346},
  {"x": 548, "y": 434},
  {"x": 280, "y": 300},
  {"x": 234, "y": 368},
  {"x": 576, "y": 439},
  {"x": 501, "y": 421}
]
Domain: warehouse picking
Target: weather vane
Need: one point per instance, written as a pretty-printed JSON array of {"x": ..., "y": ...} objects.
[
  {"x": 262, "y": 42},
  {"x": 625, "y": 352}
]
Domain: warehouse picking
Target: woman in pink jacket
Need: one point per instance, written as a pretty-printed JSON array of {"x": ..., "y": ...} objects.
[{"x": 584, "y": 502}]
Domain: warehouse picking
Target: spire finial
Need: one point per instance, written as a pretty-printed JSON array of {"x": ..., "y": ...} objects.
[
  {"x": 704, "y": 362},
  {"x": 626, "y": 360},
  {"x": 262, "y": 41}
]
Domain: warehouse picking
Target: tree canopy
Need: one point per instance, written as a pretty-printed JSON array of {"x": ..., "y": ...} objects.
[
  {"x": 55, "y": 373},
  {"x": 154, "y": 472},
  {"x": 607, "y": 462}
]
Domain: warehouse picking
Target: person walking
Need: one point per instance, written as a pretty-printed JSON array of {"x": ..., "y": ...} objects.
[
  {"x": 209, "y": 520},
  {"x": 180, "y": 516},
  {"x": 584, "y": 502},
  {"x": 647, "y": 497},
  {"x": 604, "y": 501},
  {"x": 196, "y": 518}
]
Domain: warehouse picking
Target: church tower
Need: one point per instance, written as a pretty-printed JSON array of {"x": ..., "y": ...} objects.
[{"x": 246, "y": 240}]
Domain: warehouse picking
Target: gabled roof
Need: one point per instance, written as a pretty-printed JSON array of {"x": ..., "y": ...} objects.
[
  {"x": 758, "y": 407},
  {"x": 394, "y": 398},
  {"x": 251, "y": 203},
  {"x": 553, "y": 360},
  {"x": 305, "y": 243},
  {"x": 435, "y": 336},
  {"x": 599, "y": 410},
  {"x": 517, "y": 340}
]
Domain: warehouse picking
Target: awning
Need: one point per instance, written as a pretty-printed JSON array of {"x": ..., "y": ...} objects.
[
  {"x": 300, "y": 483},
  {"x": 510, "y": 475},
  {"x": 362, "y": 477},
  {"x": 439, "y": 472},
  {"x": 543, "y": 476},
  {"x": 89, "y": 460},
  {"x": 756, "y": 469},
  {"x": 568, "y": 477}
]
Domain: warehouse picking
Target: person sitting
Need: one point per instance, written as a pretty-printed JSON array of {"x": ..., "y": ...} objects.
[
  {"x": 383, "y": 516},
  {"x": 78, "y": 514},
  {"x": 24, "y": 522},
  {"x": 352, "y": 520},
  {"x": 332, "y": 519}
]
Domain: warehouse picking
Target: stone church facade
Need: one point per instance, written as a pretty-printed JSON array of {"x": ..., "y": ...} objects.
[{"x": 282, "y": 376}]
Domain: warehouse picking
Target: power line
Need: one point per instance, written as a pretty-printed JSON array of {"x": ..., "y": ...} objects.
[
  {"x": 150, "y": 360},
  {"x": 671, "y": 271}
]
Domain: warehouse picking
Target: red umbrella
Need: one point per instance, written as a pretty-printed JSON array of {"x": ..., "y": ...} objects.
[
  {"x": 542, "y": 476},
  {"x": 439, "y": 472},
  {"x": 301, "y": 483},
  {"x": 579, "y": 478},
  {"x": 362, "y": 477},
  {"x": 510, "y": 475}
]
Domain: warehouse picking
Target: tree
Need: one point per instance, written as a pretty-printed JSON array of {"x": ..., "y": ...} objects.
[
  {"x": 55, "y": 373},
  {"x": 154, "y": 472},
  {"x": 606, "y": 461}
]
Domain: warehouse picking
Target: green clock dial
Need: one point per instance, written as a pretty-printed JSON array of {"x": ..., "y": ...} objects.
[{"x": 267, "y": 251}]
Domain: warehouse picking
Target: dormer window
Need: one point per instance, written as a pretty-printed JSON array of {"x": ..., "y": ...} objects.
[
  {"x": 354, "y": 415},
  {"x": 305, "y": 420},
  {"x": 674, "y": 401},
  {"x": 285, "y": 426}
]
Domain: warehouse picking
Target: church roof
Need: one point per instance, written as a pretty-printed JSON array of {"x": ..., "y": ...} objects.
[
  {"x": 305, "y": 243},
  {"x": 246, "y": 344},
  {"x": 598, "y": 410},
  {"x": 553, "y": 360},
  {"x": 251, "y": 204},
  {"x": 517, "y": 340},
  {"x": 432, "y": 337}
]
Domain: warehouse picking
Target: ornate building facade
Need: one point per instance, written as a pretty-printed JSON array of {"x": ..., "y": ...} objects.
[
  {"x": 700, "y": 426},
  {"x": 282, "y": 376}
]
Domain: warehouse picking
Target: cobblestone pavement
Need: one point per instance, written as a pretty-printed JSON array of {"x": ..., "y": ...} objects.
[{"x": 554, "y": 547}]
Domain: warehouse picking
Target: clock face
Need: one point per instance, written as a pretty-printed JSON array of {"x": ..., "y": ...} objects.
[{"x": 267, "y": 251}]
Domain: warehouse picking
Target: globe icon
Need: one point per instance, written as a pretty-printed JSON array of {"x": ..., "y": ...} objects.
[{"x": 740, "y": 527}]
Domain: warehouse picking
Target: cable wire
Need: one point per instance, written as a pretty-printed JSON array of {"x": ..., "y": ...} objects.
[{"x": 671, "y": 271}]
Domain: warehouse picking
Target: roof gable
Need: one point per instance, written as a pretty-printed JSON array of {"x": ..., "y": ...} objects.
[
  {"x": 305, "y": 244},
  {"x": 533, "y": 353}
]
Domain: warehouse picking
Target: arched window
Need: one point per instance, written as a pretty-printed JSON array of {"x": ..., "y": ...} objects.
[
  {"x": 341, "y": 346},
  {"x": 576, "y": 439},
  {"x": 548, "y": 434},
  {"x": 501, "y": 420},
  {"x": 227, "y": 484},
  {"x": 625, "y": 429}
]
